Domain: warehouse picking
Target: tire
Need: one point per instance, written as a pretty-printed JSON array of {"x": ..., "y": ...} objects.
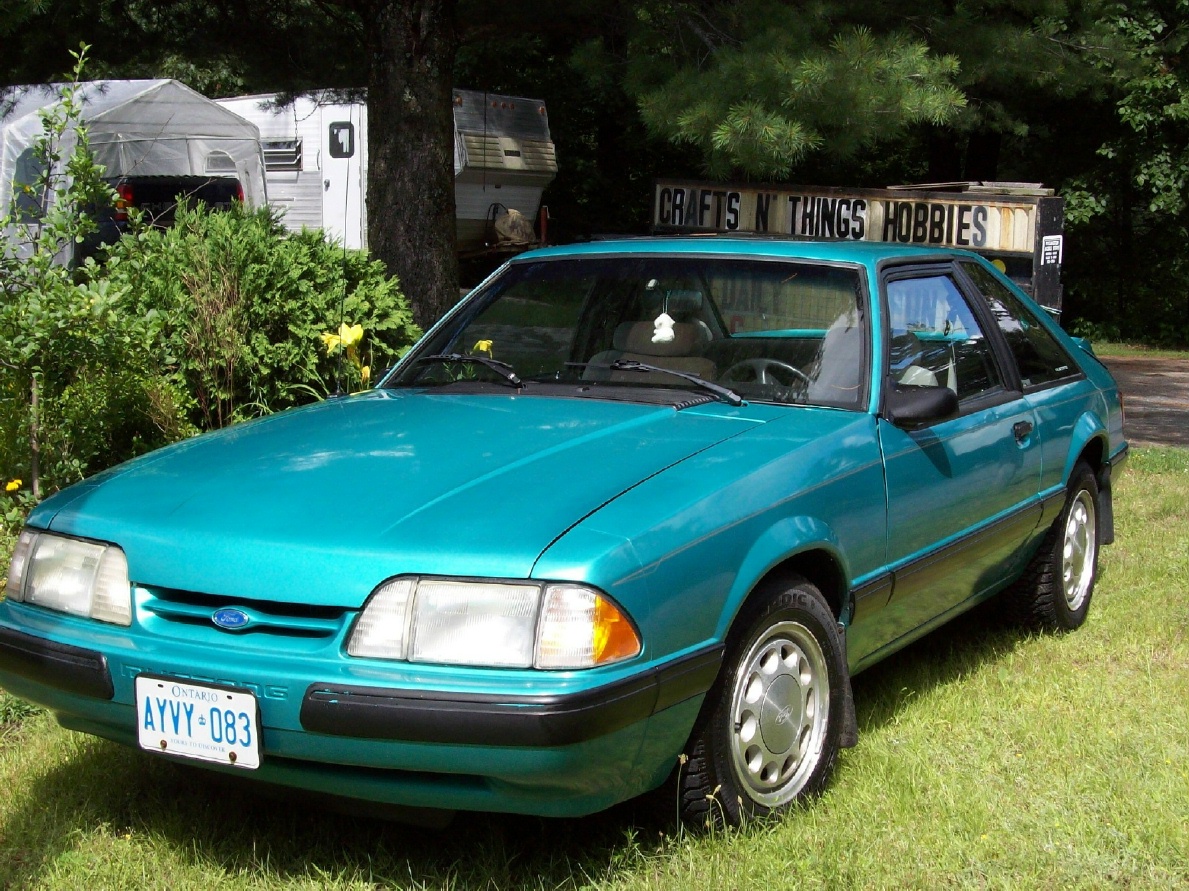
[
  {"x": 770, "y": 728},
  {"x": 1054, "y": 592}
]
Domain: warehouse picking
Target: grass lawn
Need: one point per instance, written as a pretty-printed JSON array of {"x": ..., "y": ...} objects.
[
  {"x": 987, "y": 759},
  {"x": 1110, "y": 348}
]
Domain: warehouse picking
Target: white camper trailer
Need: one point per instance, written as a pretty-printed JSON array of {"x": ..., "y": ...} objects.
[{"x": 315, "y": 155}]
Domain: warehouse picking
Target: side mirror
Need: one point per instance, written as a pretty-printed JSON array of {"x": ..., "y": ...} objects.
[{"x": 919, "y": 406}]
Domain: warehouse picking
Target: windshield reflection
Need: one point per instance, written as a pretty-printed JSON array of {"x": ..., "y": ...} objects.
[{"x": 769, "y": 330}]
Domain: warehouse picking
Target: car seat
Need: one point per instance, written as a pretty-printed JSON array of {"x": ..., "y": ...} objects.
[{"x": 635, "y": 340}]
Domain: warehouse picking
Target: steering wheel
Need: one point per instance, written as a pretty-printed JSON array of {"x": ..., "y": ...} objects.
[{"x": 762, "y": 372}]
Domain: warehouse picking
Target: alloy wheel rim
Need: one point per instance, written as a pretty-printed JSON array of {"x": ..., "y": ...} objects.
[
  {"x": 779, "y": 712},
  {"x": 1077, "y": 556}
]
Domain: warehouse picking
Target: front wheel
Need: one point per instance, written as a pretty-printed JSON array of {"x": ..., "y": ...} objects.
[{"x": 771, "y": 727}]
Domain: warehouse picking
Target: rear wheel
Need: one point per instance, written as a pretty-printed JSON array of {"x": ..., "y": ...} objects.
[
  {"x": 770, "y": 730},
  {"x": 1055, "y": 590}
]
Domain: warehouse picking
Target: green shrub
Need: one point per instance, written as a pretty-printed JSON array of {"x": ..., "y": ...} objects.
[
  {"x": 86, "y": 391},
  {"x": 242, "y": 306}
]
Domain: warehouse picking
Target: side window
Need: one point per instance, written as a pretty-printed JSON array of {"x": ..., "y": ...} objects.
[
  {"x": 936, "y": 338},
  {"x": 1040, "y": 357},
  {"x": 220, "y": 163}
]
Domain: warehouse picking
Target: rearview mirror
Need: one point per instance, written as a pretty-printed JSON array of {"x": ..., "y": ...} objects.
[{"x": 679, "y": 303}]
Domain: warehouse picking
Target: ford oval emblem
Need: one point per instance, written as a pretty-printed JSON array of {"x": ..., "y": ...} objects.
[{"x": 230, "y": 619}]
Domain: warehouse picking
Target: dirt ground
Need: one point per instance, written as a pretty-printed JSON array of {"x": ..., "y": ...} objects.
[{"x": 1155, "y": 399}]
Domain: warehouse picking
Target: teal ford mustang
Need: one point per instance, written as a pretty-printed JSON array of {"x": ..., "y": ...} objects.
[{"x": 631, "y": 516}]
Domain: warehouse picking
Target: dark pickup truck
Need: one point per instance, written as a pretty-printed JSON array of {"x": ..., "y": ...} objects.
[{"x": 157, "y": 198}]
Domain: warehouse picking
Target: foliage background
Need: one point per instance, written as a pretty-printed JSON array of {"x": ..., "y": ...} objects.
[{"x": 1090, "y": 97}]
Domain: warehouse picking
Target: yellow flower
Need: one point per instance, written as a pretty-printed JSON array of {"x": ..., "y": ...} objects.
[
  {"x": 483, "y": 346},
  {"x": 331, "y": 341},
  {"x": 366, "y": 373},
  {"x": 348, "y": 336},
  {"x": 12, "y": 486}
]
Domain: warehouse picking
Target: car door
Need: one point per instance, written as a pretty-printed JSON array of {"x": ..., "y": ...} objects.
[
  {"x": 961, "y": 493},
  {"x": 1052, "y": 381}
]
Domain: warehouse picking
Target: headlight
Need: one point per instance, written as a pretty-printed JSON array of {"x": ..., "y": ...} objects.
[
  {"x": 513, "y": 624},
  {"x": 83, "y": 578}
]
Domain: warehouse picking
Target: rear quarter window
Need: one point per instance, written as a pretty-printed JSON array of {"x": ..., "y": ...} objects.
[{"x": 1040, "y": 357}]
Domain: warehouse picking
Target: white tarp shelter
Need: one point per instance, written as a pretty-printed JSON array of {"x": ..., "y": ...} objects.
[{"x": 136, "y": 128}]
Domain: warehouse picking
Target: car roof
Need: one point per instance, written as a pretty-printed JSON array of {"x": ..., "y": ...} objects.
[{"x": 841, "y": 251}]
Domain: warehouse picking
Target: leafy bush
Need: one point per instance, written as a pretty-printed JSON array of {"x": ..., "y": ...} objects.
[
  {"x": 242, "y": 307},
  {"x": 1095, "y": 332},
  {"x": 90, "y": 375}
]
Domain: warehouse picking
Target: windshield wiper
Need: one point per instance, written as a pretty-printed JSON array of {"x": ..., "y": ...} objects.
[
  {"x": 503, "y": 369},
  {"x": 725, "y": 394}
]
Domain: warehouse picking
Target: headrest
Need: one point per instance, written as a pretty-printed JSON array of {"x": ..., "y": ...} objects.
[{"x": 636, "y": 337}]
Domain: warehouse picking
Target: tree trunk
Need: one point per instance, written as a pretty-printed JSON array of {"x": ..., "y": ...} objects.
[{"x": 410, "y": 181}]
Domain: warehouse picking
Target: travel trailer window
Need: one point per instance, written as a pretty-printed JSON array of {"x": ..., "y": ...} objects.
[
  {"x": 342, "y": 139},
  {"x": 281, "y": 154}
]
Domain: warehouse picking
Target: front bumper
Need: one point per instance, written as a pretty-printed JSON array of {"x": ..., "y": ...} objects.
[
  {"x": 64, "y": 667},
  {"x": 562, "y": 753},
  {"x": 477, "y": 719}
]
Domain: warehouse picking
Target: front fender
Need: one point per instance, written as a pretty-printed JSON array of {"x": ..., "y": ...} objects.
[{"x": 780, "y": 543}]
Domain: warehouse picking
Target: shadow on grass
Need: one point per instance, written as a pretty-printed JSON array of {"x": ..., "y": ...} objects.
[
  {"x": 229, "y": 828},
  {"x": 947, "y": 654}
]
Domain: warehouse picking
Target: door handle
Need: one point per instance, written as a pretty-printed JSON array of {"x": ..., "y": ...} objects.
[{"x": 1021, "y": 429}]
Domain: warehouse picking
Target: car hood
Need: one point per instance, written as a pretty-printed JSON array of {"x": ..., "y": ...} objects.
[{"x": 322, "y": 503}]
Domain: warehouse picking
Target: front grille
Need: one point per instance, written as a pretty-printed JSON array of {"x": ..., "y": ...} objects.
[{"x": 265, "y": 616}]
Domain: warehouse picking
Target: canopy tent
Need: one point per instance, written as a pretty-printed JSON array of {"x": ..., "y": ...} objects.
[{"x": 136, "y": 128}]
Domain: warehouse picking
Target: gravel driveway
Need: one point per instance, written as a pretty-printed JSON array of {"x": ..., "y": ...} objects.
[{"x": 1155, "y": 399}]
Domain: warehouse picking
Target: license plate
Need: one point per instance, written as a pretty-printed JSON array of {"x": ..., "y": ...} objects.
[{"x": 216, "y": 724}]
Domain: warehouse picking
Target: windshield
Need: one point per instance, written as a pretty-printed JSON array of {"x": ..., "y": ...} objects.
[{"x": 618, "y": 326}]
